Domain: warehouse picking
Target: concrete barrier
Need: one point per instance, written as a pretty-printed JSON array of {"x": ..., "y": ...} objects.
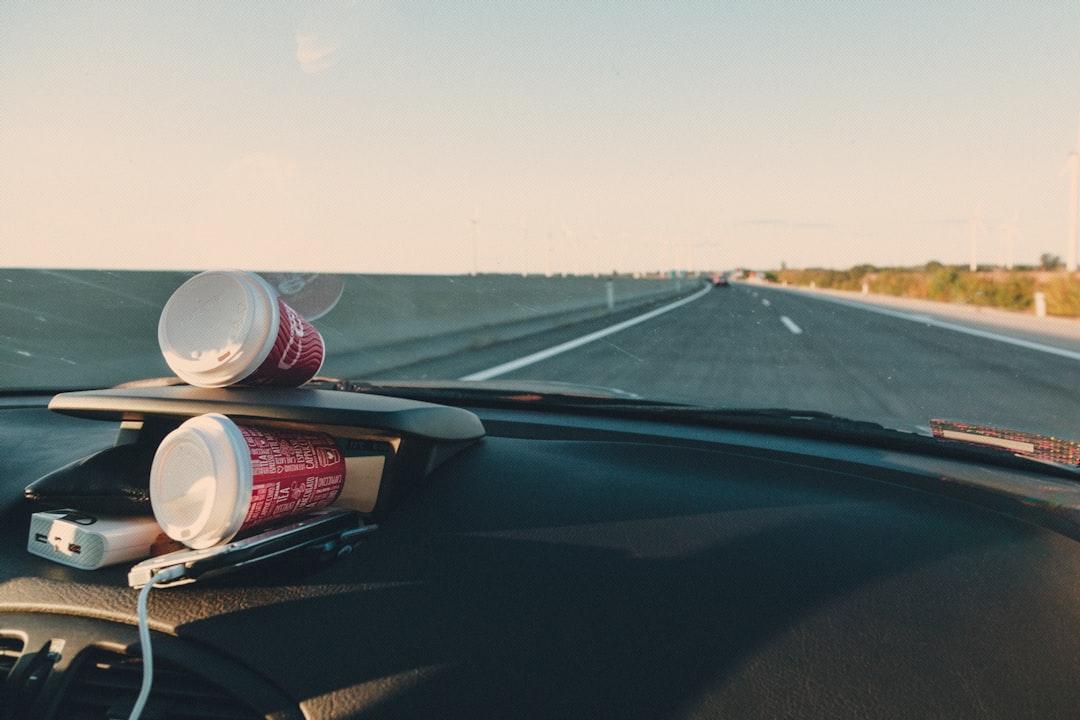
[
  {"x": 384, "y": 321},
  {"x": 93, "y": 329}
]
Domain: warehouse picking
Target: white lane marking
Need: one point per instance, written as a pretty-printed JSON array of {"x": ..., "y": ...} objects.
[
  {"x": 934, "y": 322},
  {"x": 576, "y": 343},
  {"x": 765, "y": 302},
  {"x": 790, "y": 325}
]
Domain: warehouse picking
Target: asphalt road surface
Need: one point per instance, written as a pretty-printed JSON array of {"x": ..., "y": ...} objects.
[
  {"x": 761, "y": 346},
  {"x": 746, "y": 346}
]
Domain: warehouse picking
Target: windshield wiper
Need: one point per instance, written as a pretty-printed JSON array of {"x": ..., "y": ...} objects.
[
  {"x": 550, "y": 396},
  {"x": 972, "y": 443},
  {"x": 540, "y": 392},
  {"x": 809, "y": 424},
  {"x": 786, "y": 416}
]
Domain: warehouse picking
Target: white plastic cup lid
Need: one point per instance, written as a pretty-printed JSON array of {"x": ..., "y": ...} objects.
[
  {"x": 218, "y": 327},
  {"x": 201, "y": 481}
]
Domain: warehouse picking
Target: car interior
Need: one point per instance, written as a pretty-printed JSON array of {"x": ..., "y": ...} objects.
[
  {"x": 595, "y": 558},
  {"x": 412, "y": 359}
]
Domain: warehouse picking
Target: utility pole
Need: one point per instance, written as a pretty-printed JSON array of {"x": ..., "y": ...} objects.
[
  {"x": 1072, "y": 234},
  {"x": 524, "y": 247},
  {"x": 974, "y": 225}
]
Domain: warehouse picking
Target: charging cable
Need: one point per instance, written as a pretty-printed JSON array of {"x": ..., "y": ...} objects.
[{"x": 144, "y": 636}]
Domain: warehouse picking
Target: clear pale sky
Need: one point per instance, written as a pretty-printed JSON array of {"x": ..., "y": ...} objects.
[{"x": 587, "y": 136}]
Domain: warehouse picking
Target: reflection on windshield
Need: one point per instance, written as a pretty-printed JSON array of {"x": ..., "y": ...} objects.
[{"x": 752, "y": 344}]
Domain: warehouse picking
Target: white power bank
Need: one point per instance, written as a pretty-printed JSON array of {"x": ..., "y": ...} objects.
[{"x": 84, "y": 541}]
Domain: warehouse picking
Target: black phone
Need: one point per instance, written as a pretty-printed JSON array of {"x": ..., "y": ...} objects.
[{"x": 324, "y": 535}]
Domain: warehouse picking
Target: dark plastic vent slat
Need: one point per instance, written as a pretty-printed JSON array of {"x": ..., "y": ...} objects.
[
  {"x": 10, "y": 650},
  {"x": 104, "y": 680}
]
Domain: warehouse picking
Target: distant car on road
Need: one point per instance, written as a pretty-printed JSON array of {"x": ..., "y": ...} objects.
[{"x": 719, "y": 279}]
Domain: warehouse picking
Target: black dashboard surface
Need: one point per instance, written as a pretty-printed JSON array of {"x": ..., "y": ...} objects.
[{"x": 558, "y": 571}]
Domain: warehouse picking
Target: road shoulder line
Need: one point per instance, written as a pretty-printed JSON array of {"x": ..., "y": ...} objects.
[{"x": 944, "y": 324}]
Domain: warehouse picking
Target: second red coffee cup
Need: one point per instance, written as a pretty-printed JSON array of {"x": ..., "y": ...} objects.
[
  {"x": 229, "y": 327},
  {"x": 212, "y": 478}
]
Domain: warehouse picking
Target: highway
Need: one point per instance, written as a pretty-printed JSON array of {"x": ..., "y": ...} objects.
[
  {"x": 750, "y": 345},
  {"x": 761, "y": 346}
]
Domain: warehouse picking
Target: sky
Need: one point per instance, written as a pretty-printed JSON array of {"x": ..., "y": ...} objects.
[{"x": 580, "y": 137}]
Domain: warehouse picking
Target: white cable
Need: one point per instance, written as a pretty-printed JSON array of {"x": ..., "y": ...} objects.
[{"x": 144, "y": 637}]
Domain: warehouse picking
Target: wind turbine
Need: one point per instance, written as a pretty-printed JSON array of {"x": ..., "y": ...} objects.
[
  {"x": 524, "y": 247},
  {"x": 1072, "y": 236},
  {"x": 597, "y": 253},
  {"x": 548, "y": 272},
  {"x": 475, "y": 220}
]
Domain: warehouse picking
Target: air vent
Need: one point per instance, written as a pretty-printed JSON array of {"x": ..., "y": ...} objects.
[
  {"x": 106, "y": 684},
  {"x": 11, "y": 648}
]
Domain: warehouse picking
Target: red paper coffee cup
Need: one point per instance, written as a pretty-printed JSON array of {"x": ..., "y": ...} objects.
[
  {"x": 212, "y": 478},
  {"x": 229, "y": 327}
]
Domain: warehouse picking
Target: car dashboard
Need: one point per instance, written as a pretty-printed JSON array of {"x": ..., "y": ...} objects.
[{"x": 595, "y": 564}]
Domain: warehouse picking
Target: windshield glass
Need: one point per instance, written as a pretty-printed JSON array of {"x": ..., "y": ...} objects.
[{"x": 867, "y": 210}]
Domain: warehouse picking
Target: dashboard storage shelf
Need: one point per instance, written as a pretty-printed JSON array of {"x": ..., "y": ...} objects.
[{"x": 391, "y": 442}]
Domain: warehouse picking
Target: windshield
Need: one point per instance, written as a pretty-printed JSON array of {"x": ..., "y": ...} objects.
[{"x": 862, "y": 209}]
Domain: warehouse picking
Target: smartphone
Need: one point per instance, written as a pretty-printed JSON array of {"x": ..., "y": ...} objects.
[{"x": 323, "y": 535}]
